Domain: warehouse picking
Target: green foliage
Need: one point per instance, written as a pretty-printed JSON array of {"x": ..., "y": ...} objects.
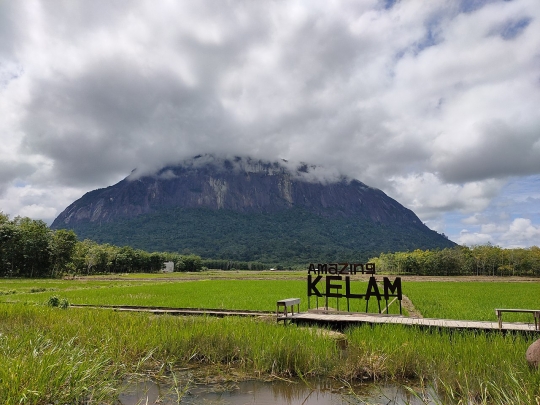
[
  {"x": 189, "y": 263},
  {"x": 24, "y": 247},
  {"x": 480, "y": 260},
  {"x": 56, "y": 302},
  {"x": 53, "y": 301},
  {"x": 63, "y": 304},
  {"x": 288, "y": 237},
  {"x": 92, "y": 258},
  {"x": 62, "y": 246},
  {"x": 245, "y": 242}
]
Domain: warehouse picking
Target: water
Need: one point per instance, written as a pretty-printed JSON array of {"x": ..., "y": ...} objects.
[{"x": 262, "y": 393}]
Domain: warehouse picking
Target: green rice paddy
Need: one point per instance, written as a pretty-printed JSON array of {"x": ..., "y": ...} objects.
[{"x": 49, "y": 355}]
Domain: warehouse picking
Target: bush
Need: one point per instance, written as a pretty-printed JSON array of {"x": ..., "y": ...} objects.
[
  {"x": 64, "y": 303},
  {"x": 55, "y": 301}
]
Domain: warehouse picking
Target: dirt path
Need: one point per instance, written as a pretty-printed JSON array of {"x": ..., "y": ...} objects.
[{"x": 409, "y": 306}]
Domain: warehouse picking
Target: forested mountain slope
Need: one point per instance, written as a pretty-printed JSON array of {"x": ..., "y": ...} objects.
[{"x": 248, "y": 210}]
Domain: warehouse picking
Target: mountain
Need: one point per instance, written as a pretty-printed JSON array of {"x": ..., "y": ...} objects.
[{"x": 250, "y": 210}]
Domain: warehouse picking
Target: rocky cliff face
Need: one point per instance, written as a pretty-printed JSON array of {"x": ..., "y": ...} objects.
[{"x": 240, "y": 185}]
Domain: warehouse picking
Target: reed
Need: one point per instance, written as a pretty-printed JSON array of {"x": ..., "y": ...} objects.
[
  {"x": 464, "y": 367},
  {"x": 71, "y": 356},
  {"x": 50, "y": 355}
]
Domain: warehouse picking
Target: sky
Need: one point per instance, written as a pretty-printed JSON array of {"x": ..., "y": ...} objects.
[{"x": 437, "y": 103}]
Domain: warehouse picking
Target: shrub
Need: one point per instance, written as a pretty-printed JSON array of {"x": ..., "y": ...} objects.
[{"x": 54, "y": 301}]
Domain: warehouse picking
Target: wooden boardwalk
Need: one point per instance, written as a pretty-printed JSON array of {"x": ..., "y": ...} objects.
[
  {"x": 339, "y": 319},
  {"x": 343, "y": 319},
  {"x": 178, "y": 311}
]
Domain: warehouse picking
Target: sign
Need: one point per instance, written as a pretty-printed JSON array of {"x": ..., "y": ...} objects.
[{"x": 333, "y": 280}]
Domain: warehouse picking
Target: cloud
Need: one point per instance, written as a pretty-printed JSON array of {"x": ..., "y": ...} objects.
[
  {"x": 433, "y": 102},
  {"x": 427, "y": 195},
  {"x": 467, "y": 238},
  {"x": 521, "y": 232},
  {"x": 37, "y": 202}
]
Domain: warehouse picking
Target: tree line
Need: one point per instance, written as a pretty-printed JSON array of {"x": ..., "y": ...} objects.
[
  {"x": 478, "y": 260},
  {"x": 28, "y": 248}
]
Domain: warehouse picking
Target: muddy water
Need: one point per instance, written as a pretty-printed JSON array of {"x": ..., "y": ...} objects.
[{"x": 262, "y": 393}]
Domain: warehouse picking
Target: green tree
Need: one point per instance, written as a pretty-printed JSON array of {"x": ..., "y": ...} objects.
[
  {"x": 33, "y": 248},
  {"x": 189, "y": 263},
  {"x": 62, "y": 247},
  {"x": 10, "y": 254}
]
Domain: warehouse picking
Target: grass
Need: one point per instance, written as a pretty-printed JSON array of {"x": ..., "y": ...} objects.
[
  {"x": 50, "y": 355},
  {"x": 231, "y": 294},
  {"x": 448, "y": 300},
  {"x": 214, "y": 274},
  {"x": 196, "y": 293},
  {"x": 474, "y": 368},
  {"x": 74, "y": 355},
  {"x": 473, "y": 300}
]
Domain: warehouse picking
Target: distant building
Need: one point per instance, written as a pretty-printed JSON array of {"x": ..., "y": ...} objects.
[{"x": 169, "y": 267}]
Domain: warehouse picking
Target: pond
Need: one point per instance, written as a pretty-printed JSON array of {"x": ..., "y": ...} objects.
[{"x": 274, "y": 392}]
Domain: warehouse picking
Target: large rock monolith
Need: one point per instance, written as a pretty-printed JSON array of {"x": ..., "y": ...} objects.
[{"x": 533, "y": 354}]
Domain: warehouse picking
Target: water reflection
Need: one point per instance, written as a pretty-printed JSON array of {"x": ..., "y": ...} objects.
[{"x": 262, "y": 393}]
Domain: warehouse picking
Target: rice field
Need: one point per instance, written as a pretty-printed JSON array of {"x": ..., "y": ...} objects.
[
  {"x": 50, "y": 355},
  {"x": 433, "y": 299},
  {"x": 473, "y": 300}
]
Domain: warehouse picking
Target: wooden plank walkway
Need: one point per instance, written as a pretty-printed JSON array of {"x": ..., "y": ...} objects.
[
  {"x": 334, "y": 318},
  {"x": 178, "y": 311},
  {"x": 347, "y": 319}
]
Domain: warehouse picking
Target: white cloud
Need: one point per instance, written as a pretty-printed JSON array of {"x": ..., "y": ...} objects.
[
  {"x": 436, "y": 106},
  {"x": 522, "y": 233},
  {"x": 428, "y": 196},
  {"x": 473, "y": 238},
  {"x": 37, "y": 202},
  {"x": 472, "y": 220}
]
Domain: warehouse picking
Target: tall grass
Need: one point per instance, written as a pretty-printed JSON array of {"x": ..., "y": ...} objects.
[
  {"x": 464, "y": 367},
  {"x": 39, "y": 367},
  {"x": 49, "y": 355}
]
